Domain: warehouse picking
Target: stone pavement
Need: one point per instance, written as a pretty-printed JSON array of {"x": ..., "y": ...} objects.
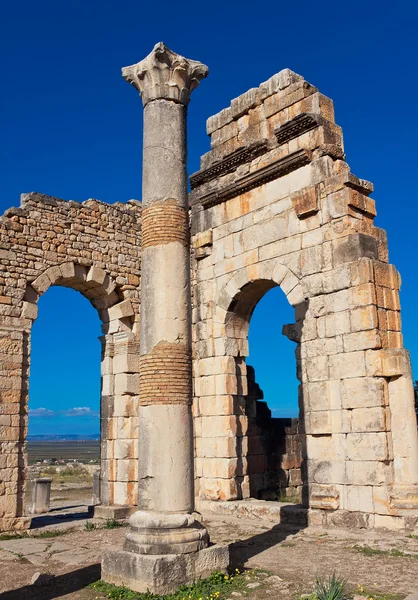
[{"x": 296, "y": 556}]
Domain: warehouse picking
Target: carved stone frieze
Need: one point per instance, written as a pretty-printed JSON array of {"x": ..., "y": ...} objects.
[
  {"x": 296, "y": 127},
  {"x": 163, "y": 74},
  {"x": 229, "y": 163},
  {"x": 249, "y": 181}
]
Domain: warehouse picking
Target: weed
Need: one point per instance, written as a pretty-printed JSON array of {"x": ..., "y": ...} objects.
[
  {"x": 412, "y": 536},
  {"x": 216, "y": 587},
  {"x": 89, "y": 526},
  {"x": 377, "y": 552},
  {"x": 331, "y": 588},
  {"x": 113, "y": 524},
  {"x": 52, "y": 533}
]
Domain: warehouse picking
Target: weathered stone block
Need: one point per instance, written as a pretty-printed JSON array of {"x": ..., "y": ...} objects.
[{"x": 162, "y": 574}]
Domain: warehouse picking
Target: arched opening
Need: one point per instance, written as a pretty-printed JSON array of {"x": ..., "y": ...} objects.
[
  {"x": 117, "y": 483},
  {"x": 274, "y": 441},
  {"x": 226, "y": 466},
  {"x": 64, "y": 399}
]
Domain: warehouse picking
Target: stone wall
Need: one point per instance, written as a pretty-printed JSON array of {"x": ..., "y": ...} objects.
[
  {"x": 274, "y": 449},
  {"x": 93, "y": 248},
  {"x": 274, "y": 204}
]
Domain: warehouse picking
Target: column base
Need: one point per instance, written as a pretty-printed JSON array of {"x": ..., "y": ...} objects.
[{"x": 162, "y": 574}]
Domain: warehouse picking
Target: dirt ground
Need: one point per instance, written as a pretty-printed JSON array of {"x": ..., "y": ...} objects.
[{"x": 295, "y": 556}]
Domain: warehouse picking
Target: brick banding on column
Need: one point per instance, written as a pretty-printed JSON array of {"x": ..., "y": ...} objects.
[
  {"x": 164, "y": 222},
  {"x": 164, "y": 375}
]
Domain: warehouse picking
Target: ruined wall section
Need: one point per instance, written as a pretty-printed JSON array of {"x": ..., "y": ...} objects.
[
  {"x": 275, "y": 203},
  {"x": 93, "y": 248}
]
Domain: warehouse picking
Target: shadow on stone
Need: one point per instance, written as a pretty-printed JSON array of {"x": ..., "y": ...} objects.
[
  {"x": 48, "y": 519},
  {"x": 243, "y": 550},
  {"x": 59, "y": 586}
]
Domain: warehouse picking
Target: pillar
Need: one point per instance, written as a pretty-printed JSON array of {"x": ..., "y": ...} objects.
[
  {"x": 40, "y": 495},
  {"x": 166, "y": 545}
]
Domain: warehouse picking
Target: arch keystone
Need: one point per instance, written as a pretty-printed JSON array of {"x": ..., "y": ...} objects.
[{"x": 96, "y": 275}]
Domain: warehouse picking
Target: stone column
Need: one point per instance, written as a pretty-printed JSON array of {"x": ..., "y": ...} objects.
[{"x": 165, "y": 536}]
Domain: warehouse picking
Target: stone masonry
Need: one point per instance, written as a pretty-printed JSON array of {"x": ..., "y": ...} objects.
[
  {"x": 274, "y": 204},
  {"x": 93, "y": 248}
]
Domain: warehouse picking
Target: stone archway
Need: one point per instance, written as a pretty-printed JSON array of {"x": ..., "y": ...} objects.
[
  {"x": 118, "y": 385},
  {"x": 222, "y": 433}
]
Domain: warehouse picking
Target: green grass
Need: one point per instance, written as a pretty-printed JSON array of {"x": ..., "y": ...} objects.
[
  {"x": 216, "y": 587},
  {"x": 113, "y": 524},
  {"x": 412, "y": 536},
  {"x": 42, "y": 534},
  {"x": 367, "y": 551},
  {"x": 89, "y": 526}
]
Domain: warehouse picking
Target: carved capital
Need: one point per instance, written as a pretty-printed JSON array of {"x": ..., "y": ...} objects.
[{"x": 163, "y": 74}]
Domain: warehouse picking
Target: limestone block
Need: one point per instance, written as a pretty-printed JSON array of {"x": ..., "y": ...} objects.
[
  {"x": 311, "y": 260},
  {"x": 305, "y": 202},
  {"x": 357, "y": 498},
  {"x": 363, "y": 295},
  {"x": 362, "y": 392},
  {"x": 221, "y": 405},
  {"x": 318, "y": 423},
  {"x": 324, "y": 497},
  {"x": 126, "y": 383},
  {"x": 121, "y": 311},
  {"x": 226, "y": 447},
  {"x": 125, "y": 449},
  {"x": 126, "y": 428},
  {"x": 108, "y": 383},
  {"x": 218, "y": 489},
  {"x": 372, "y": 473},
  {"x": 336, "y": 302},
  {"x": 120, "y": 493},
  {"x": 319, "y": 447},
  {"x": 125, "y": 406},
  {"x": 67, "y": 270},
  {"x": 162, "y": 574},
  {"x": 29, "y": 311},
  {"x": 368, "y": 419},
  {"x": 317, "y": 368},
  {"x": 364, "y": 318},
  {"x": 324, "y": 471},
  {"x": 347, "y": 365},
  {"x": 126, "y": 363},
  {"x": 386, "y": 275},
  {"x": 126, "y": 470},
  {"x": 367, "y": 446},
  {"x": 353, "y": 247},
  {"x": 41, "y": 283},
  {"x": 362, "y": 340},
  {"x": 215, "y": 365},
  {"x": 221, "y": 468},
  {"x": 219, "y": 426},
  {"x": 389, "y": 522}
]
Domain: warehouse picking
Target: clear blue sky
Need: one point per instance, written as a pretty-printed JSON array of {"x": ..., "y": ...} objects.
[{"x": 71, "y": 127}]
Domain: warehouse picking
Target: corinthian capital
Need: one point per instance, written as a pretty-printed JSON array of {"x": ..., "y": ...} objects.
[{"x": 165, "y": 74}]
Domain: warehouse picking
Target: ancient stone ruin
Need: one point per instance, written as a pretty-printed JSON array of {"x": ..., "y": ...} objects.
[{"x": 274, "y": 204}]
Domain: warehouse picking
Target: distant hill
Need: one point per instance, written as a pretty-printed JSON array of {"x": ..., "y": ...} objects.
[{"x": 52, "y": 437}]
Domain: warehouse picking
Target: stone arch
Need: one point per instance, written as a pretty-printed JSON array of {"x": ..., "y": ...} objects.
[
  {"x": 119, "y": 382},
  {"x": 238, "y": 298},
  {"x": 223, "y": 468}
]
